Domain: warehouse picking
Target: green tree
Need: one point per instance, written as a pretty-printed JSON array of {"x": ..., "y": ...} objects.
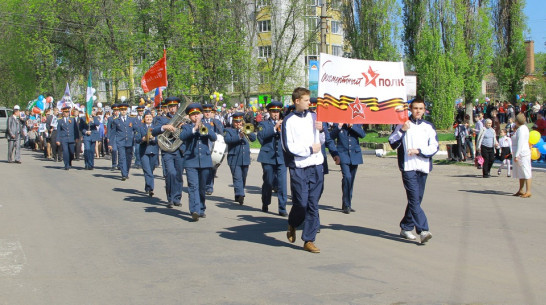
[
  {"x": 371, "y": 29},
  {"x": 509, "y": 62},
  {"x": 477, "y": 32},
  {"x": 435, "y": 47}
]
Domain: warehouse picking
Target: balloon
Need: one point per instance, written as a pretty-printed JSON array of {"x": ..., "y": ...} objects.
[
  {"x": 99, "y": 104},
  {"x": 40, "y": 97},
  {"x": 517, "y": 96},
  {"x": 36, "y": 110},
  {"x": 221, "y": 98},
  {"x": 535, "y": 154},
  {"x": 542, "y": 147},
  {"x": 40, "y": 104},
  {"x": 49, "y": 99},
  {"x": 534, "y": 137},
  {"x": 224, "y": 105}
]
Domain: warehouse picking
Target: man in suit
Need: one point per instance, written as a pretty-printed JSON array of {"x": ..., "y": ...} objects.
[
  {"x": 67, "y": 133},
  {"x": 197, "y": 160},
  {"x": 272, "y": 159},
  {"x": 350, "y": 155},
  {"x": 238, "y": 154},
  {"x": 218, "y": 128},
  {"x": 123, "y": 129},
  {"x": 14, "y": 136},
  {"x": 149, "y": 151},
  {"x": 111, "y": 137},
  {"x": 90, "y": 132},
  {"x": 173, "y": 162}
]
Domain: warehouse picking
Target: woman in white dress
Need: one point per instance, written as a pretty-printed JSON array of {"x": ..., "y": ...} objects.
[{"x": 521, "y": 154}]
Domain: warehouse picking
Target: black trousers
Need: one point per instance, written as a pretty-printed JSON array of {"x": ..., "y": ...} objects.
[{"x": 488, "y": 154}]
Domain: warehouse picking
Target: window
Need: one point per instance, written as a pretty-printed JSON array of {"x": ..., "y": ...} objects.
[
  {"x": 313, "y": 49},
  {"x": 337, "y": 50},
  {"x": 264, "y": 52},
  {"x": 261, "y": 3},
  {"x": 311, "y": 24},
  {"x": 3, "y": 114},
  {"x": 264, "y": 26},
  {"x": 335, "y": 27},
  {"x": 264, "y": 78}
]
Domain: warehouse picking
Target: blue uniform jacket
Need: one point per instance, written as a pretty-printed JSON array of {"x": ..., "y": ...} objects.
[
  {"x": 197, "y": 153},
  {"x": 158, "y": 122},
  {"x": 238, "y": 149},
  {"x": 109, "y": 131},
  {"x": 93, "y": 125},
  {"x": 123, "y": 131},
  {"x": 67, "y": 132},
  {"x": 271, "y": 150},
  {"x": 217, "y": 126},
  {"x": 348, "y": 147},
  {"x": 146, "y": 148}
]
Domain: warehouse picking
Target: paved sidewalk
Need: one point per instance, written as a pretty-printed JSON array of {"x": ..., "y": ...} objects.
[{"x": 86, "y": 237}]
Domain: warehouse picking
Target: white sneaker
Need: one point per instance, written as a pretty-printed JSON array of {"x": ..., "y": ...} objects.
[
  {"x": 425, "y": 236},
  {"x": 407, "y": 235}
]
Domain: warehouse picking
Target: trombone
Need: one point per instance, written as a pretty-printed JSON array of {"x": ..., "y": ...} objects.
[{"x": 247, "y": 129}]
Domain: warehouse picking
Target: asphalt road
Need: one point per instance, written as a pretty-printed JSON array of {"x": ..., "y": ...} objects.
[{"x": 86, "y": 237}]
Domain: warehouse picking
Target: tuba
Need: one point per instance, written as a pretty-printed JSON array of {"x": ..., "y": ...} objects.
[{"x": 169, "y": 141}]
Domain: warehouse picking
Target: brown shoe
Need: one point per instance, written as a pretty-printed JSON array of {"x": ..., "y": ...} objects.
[
  {"x": 291, "y": 234},
  {"x": 310, "y": 246},
  {"x": 526, "y": 195}
]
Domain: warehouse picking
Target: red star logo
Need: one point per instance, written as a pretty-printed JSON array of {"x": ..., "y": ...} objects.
[
  {"x": 372, "y": 78},
  {"x": 358, "y": 108}
]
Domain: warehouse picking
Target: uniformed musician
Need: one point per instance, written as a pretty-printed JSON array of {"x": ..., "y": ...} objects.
[
  {"x": 149, "y": 152},
  {"x": 272, "y": 159},
  {"x": 111, "y": 137},
  {"x": 67, "y": 133},
  {"x": 139, "y": 121},
  {"x": 346, "y": 137},
  {"x": 197, "y": 159},
  {"x": 238, "y": 154},
  {"x": 123, "y": 128},
  {"x": 173, "y": 162},
  {"x": 90, "y": 133},
  {"x": 218, "y": 128}
]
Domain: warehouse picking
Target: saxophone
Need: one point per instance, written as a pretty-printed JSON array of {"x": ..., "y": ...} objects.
[{"x": 169, "y": 141}]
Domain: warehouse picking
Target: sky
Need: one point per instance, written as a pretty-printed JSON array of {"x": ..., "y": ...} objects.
[{"x": 535, "y": 10}]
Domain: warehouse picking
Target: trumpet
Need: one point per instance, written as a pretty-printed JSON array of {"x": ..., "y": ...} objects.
[
  {"x": 247, "y": 129},
  {"x": 148, "y": 136},
  {"x": 203, "y": 130},
  {"x": 278, "y": 129}
]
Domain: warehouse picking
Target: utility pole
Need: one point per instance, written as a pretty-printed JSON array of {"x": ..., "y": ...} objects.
[{"x": 323, "y": 28}]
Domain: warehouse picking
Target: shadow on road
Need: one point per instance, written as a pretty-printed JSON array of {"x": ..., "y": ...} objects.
[
  {"x": 115, "y": 177},
  {"x": 226, "y": 203},
  {"x": 369, "y": 232},
  {"x": 255, "y": 229},
  {"x": 467, "y": 176},
  {"x": 487, "y": 192},
  {"x": 169, "y": 212}
]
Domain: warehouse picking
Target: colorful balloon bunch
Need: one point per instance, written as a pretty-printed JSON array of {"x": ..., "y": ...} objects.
[
  {"x": 217, "y": 96},
  {"x": 40, "y": 104},
  {"x": 538, "y": 145}
]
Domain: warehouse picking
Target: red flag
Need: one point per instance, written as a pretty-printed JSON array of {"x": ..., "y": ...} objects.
[
  {"x": 156, "y": 76},
  {"x": 158, "y": 96}
]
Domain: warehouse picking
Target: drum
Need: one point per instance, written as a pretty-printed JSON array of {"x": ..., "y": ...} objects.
[{"x": 219, "y": 151}]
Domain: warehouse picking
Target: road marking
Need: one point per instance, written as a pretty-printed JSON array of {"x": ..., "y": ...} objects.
[{"x": 12, "y": 257}]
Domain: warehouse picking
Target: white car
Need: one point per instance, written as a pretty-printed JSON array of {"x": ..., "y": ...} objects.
[{"x": 4, "y": 115}]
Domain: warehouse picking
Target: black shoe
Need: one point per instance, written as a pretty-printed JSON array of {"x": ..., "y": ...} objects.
[
  {"x": 241, "y": 200},
  {"x": 170, "y": 205},
  {"x": 195, "y": 216},
  {"x": 283, "y": 214},
  {"x": 208, "y": 193},
  {"x": 487, "y": 176},
  {"x": 151, "y": 193},
  {"x": 202, "y": 215},
  {"x": 265, "y": 208},
  {"x": 113, "y": 168},
  {"x": 347, "y": 210},
  {"x": 66, "y": 168},
  {"x": 352, "y": 210},
  {"x": 123, "y": 178},
  {"x": 177, "y": 204}
]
